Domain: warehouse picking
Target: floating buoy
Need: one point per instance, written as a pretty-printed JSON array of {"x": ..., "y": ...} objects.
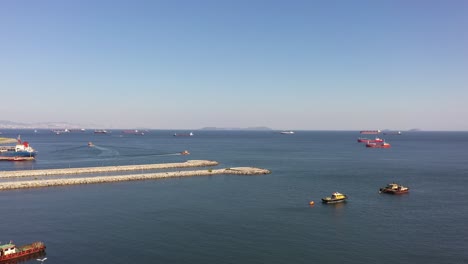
[{"x": 311, "y": 203}]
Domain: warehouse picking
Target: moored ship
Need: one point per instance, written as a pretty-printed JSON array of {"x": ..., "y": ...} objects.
[
  {"x": 22, "y": 151},
  {"x": 10, "y": 251},
  {"x": 100, "y": 131}
]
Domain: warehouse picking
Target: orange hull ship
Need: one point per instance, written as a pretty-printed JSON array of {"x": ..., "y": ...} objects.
[{"x": 10, "y": 251}]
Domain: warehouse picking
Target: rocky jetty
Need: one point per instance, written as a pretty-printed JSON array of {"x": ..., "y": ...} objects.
[
  {"x": 134, "y": 177},
  {"x": 107, "y": 169}
]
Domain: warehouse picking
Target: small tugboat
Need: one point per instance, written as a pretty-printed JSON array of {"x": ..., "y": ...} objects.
[
  {"x": 335, "y": 198},
  {"x": 10, "y": 251},
  {"x": 394, "y": 188},
  {"x": 366, "y": 140},
  {"x": 378, "y": 145}
]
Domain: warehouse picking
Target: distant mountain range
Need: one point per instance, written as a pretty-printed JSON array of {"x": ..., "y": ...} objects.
[
  {"x": 5, "y": 124},
  {"x": 236, "y": 128},
  {"x": 47, "y": 125}
]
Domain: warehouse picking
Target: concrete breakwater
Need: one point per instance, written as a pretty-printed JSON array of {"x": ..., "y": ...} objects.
[
  {"x": 71, "y": 171},
  {"x": 133, "y": 177}
]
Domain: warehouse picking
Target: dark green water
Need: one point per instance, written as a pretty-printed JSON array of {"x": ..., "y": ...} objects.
[{"x": 248, "y": 219}]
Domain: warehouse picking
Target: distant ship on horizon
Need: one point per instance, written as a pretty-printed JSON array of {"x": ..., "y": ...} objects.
[
  {"x": 100, "y": 131},
  {"x": 133, "y": 132},
  {"x": 183, "y": 135},
  {"x": 370, "y": 131}
]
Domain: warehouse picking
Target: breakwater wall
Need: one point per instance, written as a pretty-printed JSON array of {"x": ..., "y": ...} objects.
[
  {"x": 106, "y": 169},
  {"x": 134, "y": 177}
]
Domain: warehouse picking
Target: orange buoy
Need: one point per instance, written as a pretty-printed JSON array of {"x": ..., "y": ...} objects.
[{"x": 311, "y": 203}]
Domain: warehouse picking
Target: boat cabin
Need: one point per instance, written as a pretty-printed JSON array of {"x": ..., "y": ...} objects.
[
  {"x": 7, "y": 249},
  {"x": 337, "y": 195}
]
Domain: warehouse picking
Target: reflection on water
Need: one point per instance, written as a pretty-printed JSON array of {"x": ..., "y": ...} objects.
[{"x": 24, "y": 165}]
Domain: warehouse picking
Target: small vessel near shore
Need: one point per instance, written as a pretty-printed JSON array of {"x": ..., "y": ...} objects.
[
  {"x": 287, "y": 132},
  {"x": 394, "y": 188},
  {"x": 10, "y": 251},
  {"x": 378, "y": 145},
  {"x": 367, "y": 140},
  {"x": 185, "y": 152},
  {"x": 22, "y": 151},
  {"x": 336, "y": 197}
]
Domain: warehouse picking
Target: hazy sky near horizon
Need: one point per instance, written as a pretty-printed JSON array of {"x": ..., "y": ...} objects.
[{"x": 316, "y": 65}]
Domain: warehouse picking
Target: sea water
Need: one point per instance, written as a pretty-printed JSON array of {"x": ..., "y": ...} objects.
[{"x": 247, "y": 219}]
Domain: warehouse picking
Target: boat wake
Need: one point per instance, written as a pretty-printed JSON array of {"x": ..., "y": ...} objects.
[{"x": 106, "y": 152}]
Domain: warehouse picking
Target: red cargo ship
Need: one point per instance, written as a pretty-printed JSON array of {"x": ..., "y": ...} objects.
[{"x": 10, "y": 251}]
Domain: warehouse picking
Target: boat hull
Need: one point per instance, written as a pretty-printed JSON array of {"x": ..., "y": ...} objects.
[
  {"x": 17, "y": 154},
  {"x": 330, "y": 201},
  {"x": 390, "y": 191},
  {"x": 376, "y": 145},
  {"x": 366, "y": 140},
  {"x": 24, "y": 251}
]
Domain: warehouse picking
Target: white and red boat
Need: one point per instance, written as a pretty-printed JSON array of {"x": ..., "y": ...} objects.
[
  {"x": 22, "y": 151},
  {"x": 11, "y": 251}
]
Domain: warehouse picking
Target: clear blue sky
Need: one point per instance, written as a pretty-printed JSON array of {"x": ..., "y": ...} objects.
[{"x": 316, "y": 65}]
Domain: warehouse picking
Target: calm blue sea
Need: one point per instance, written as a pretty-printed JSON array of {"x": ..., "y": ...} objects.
[{"x": 248, "y": 219}]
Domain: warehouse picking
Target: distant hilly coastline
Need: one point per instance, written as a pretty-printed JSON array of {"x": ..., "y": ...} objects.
[
  {"x": 5, "y": 124},
  {"x": 237, "y": 128}
]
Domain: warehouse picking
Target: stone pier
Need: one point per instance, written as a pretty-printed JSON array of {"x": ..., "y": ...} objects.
[
  {"x": 134, "y": 177},
  {"x": 71, "y": 171}
]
